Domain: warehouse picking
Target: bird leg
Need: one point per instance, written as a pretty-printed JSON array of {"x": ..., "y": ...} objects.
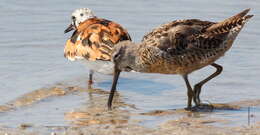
[
  {"x": 190, "y": 93},
  {"x": 90, "y": 79},
  {"x": 198, "y": 86}
]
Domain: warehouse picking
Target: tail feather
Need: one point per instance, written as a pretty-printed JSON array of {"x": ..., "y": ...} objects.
[
  {"x": 239, "y": 15},
  {"x": 224, "y": 26},
  {"x": 237, "y": 26},
  {"x": 226, "y": 31},
  {"x": 246, "y": 18}
]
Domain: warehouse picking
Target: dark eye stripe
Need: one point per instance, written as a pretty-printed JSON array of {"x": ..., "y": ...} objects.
[
  {"x": 81, "y": 14},
  {"x": 73, "y": 17}
]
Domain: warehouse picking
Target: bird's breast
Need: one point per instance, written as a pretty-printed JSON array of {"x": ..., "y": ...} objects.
[{"x": 100, "y": 66}]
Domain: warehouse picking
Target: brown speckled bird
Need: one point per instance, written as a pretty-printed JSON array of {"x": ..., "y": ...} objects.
[
  {"x": 92, "y": 41},
  {"x": 179, "y": 47}
]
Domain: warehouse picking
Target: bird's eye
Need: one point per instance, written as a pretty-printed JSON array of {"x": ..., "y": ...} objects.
[
  {"x": 81, "y": 14},
  {"x": 116, "y": 56}
]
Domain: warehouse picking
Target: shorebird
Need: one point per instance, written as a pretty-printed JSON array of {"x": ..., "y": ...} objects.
[
  {"x": 179, "y": 47},
  {"x": 92, "y": 41}
]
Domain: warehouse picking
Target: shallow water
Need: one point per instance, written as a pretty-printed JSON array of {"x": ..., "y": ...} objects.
[{"x": 31, "y": 57}]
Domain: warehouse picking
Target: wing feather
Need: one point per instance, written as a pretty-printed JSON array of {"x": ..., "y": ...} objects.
[{"x": 94, "y": 40}]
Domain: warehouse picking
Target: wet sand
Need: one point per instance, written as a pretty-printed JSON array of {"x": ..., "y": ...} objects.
[
  {"x": 94, "y": 118},
  {"x": 131, "y": 129}
]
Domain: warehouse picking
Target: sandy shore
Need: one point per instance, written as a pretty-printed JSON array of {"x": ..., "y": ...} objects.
[
  {"x": 185, "y": 127},
  {"x": 95, "y": 119}
]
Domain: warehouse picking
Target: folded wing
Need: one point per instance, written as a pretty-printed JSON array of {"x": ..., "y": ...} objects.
[{"x": 94, "y": 40}]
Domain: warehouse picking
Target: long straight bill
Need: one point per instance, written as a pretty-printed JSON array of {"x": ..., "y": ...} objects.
[{"x": 113, "y": 88}]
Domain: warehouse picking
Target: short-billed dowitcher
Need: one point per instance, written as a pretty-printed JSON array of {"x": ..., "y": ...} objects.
[
  {"x": 92, "y": 41},
  {"x": 179, "y": 47}
]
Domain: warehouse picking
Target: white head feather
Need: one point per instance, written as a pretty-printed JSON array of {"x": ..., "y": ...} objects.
[{"x": 80, "y": 15}]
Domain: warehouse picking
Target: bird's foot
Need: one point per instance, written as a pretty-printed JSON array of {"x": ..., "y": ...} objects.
[{"x": 203, "y": 107}]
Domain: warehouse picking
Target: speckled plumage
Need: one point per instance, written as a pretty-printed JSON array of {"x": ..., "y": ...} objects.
[
  {"x": 183, "y": 46},
  {"x": 92, "y": 40},
  {"x": 180, "y": 47}
]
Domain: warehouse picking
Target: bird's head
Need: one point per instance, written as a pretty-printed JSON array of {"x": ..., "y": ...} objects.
[{"x": 78, "y": 16}]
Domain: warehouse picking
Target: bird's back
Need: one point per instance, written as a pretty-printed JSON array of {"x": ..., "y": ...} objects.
[
  {"x": 94, "y": 39},
  {"x": 188, "y": 45}
]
